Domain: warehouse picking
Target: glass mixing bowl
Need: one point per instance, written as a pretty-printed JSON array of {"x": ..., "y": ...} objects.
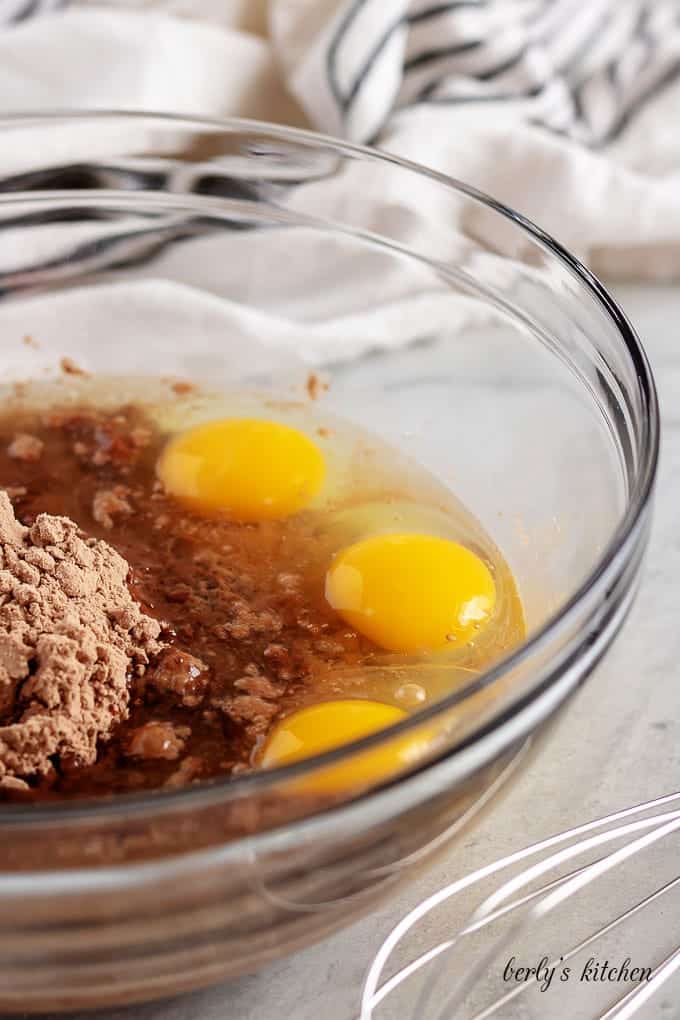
[{"x": 234, "y": 253}]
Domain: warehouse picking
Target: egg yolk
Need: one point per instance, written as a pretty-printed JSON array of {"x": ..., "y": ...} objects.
[
  {"x": 411, "y": 593},
  {"x": 246, "y": 468},
  {"x": 318, "y": 728}
]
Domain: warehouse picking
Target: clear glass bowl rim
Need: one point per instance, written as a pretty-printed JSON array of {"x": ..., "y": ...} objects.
[{"x": 617, "y": 551}]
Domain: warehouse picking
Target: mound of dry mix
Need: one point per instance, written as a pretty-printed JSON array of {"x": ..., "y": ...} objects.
[{"x": 70, "y": 636}]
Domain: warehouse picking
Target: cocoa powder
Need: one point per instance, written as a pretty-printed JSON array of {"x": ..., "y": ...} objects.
[{"x": 71, "y": 638}]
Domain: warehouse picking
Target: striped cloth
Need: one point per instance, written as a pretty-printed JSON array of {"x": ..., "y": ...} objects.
[
  {"x": 566, "y": 110},
  {"x": 578, "y": 68}
]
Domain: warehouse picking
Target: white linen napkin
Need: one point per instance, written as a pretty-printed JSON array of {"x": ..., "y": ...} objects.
[{"x": 564, "y": 110}]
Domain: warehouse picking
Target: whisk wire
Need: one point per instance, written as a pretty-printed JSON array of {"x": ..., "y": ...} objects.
[
  {"x": 569, "y": 954},
  {"x": 629, "y": 1005},
  {"x": 539, "y": 902},
  {"x": 556, "y": 897}
]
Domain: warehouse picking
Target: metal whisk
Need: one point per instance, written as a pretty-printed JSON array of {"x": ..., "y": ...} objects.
[{"x": 539, "y": 933}]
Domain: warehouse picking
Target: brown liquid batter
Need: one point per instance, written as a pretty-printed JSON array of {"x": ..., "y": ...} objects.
[{"x": 248, "y": 634}]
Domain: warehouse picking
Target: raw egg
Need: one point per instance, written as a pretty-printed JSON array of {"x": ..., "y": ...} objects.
[
  {"x": 411, "y": 593},
  {"x": 318, "y": 728},
  {"x": 249, "y": 469}
]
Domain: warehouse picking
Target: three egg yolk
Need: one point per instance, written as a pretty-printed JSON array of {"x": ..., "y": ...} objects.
[
  {"x": 248, "y": 469},
  {"x": 405, "y": 592},
  {"x": 322, "y": 727}
]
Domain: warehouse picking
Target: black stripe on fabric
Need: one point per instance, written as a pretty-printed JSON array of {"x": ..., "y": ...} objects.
[
  {"x": 496, "y": 97},
  {"x": 641, "y": 30},
  {"x": 370, "y": 62},
  {"x": 488, "y": 97},
  {"x": 428, "y": 56},
  {"x": 505, "y": 65},
  {"x": 578, "y": 105},
  {"x": 344, "y": 100},
  {"x": 27, "y": 11},
  {"x": 334, "y": 46},
  {"x": 487, "y": 75},
  {"x": 426, "y": 92},
  {"x": 622, "y": 121},
  {"x": 434, "y": 12},
  {"x": 31, "y": 8},
  {"x": 610, "y": 74}
]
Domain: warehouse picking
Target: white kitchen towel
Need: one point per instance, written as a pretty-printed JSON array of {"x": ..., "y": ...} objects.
[
  {"x": 565, "y": 110},
  {"x": 579, "y": 69}
]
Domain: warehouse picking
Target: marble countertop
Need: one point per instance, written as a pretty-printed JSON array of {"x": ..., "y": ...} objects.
[{"x": 630, "y": 711}]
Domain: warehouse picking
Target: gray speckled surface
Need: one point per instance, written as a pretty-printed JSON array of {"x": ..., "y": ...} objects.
[{"x": 617, "y": 744}]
